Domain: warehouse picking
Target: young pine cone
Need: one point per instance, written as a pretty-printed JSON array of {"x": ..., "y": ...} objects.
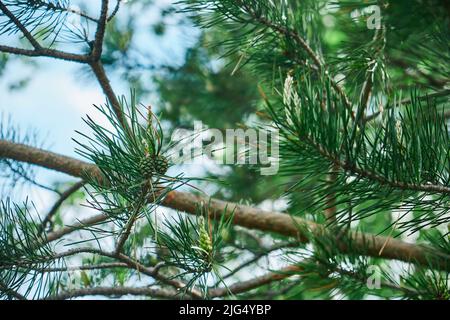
[{"x": 153, "y": 165}]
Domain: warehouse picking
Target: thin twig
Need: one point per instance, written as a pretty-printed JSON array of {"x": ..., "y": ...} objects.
[
  {"x": 371, "y": 175},
  {"x": 107, "y": 265},
  {"x": 407, "y": 101},
  {"x": 256, "y": 282},
  {"x": 134, "y": 264},
  {"x": 417, "y": 73},
  {"x": 366, "y": 92},
  {"x": 114, "y": 12},
  {"x": 63, "y": 197},
  {"x": 78, "y": 13},
  {"x": 45, "y": 52},
  {"x": 331, "y": 209},
  {"x": 38, "y": 49},
  {"x": 116, "y": 291},
  {"x": 58, "y": 234},
  {"x": 100, "y": 33},
  {"x": 256, "y": 258},
  {"x": 12, "y": 293},
  {"x": 20, "y": 26},
  {"x": 30, "y": 180},
  {"x": 320, "y": 67},
  {"x": 127, "y": 230}
]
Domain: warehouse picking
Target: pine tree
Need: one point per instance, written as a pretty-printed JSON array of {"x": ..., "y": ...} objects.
[{"x": 359, "y": 94}]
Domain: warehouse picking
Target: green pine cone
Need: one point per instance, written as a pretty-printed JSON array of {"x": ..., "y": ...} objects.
[{"x": 153, "y": 165}]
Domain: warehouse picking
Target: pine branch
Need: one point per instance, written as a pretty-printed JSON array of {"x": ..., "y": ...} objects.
[
  {"x": 116, "y": 292},
  {"x": 366, "y": 93},
  {"x": 366, "y": 173},
  {"x": 331, "y": 209},
  {"x": 301, "y": 229},
  {"x": 407, "y": 101},
  {"x": 287, "y": 272},
  {"x": 363, "y": 244},
  {"x": 447, "y": 114},
  {"x": 314, "y": 57},
  {"x": 249, "y": 217},
  {"x": 24, "y": 173},
  {"x": 20, "y": 256},
  {"x": 127, "y": 230},
  {"x": 383, "y": 284},
  {"x": 417, "y": 73},
  {"x": 109, "y": 265},
  {"x": 46, "y": 159},
  {"x": 272, "y": 293},
  {"x": 20, "y": 26}
]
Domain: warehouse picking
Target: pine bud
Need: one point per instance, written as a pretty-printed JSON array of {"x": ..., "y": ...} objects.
[
  {"x": 291, "y": 97},
  {"x": 204, "y": 238},
  {"x": 287, "y": 90},
  {"x": 398, "y": 129}
]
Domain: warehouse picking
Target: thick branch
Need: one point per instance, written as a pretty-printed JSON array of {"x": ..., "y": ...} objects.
[
  {"x": 46, "y": 159},
  {"x": 249, "y": 217},
  {"x": 362, "y": 244}
]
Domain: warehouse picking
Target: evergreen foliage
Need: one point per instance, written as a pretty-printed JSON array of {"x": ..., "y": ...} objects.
[{"x": 362, "y": 108}]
